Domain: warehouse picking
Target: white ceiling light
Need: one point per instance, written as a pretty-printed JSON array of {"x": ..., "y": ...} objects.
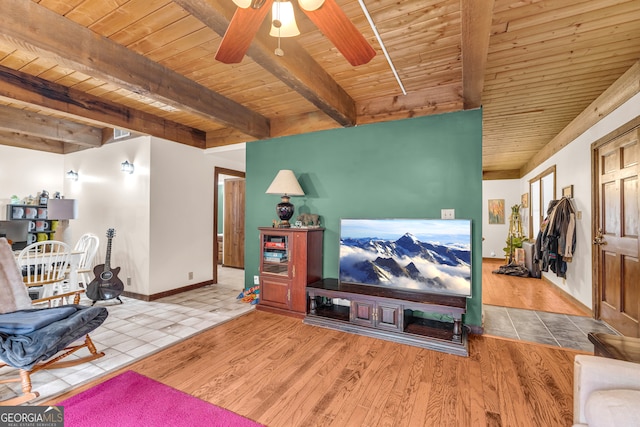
[
  {"x": 283, "y": 21},
  {"x": 242, "y": 3},
  {"x": 310, "y": 5}
]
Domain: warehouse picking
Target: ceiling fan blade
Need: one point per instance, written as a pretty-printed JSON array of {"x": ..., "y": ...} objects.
[
  {"x": 332, "y": 21},
  {"x": 243, "y": 27}
]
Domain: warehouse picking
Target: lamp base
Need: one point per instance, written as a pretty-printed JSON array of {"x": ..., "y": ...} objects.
[{"x": 285, "y": 210}]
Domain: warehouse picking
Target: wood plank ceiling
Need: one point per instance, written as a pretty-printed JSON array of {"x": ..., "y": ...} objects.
[{"x": 148, "y": 66}]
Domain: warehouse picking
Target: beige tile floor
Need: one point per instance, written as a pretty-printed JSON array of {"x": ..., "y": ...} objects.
[{"x": 136, "y": 329}]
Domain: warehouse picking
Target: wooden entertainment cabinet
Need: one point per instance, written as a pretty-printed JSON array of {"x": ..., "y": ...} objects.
[
  {"x": 389, "y": 314},
  {"x": 290, "y": 258}
]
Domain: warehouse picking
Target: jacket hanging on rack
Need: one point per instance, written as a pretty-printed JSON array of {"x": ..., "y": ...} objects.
[{"x": 556, "y": 240}]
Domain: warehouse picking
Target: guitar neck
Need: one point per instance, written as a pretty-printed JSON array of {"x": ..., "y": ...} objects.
[{"x": 107, "y": 261}]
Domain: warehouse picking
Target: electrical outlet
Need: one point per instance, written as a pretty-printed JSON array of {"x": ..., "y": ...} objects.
[
  {"x": 256, "y": 280},
  {"x": 128, "y": 281},
  {"x": 191, "y": 275},
  {"x": 447, "y": 213}
]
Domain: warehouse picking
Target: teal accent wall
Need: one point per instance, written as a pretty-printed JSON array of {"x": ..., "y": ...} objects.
[{"x": 409, "y": 168}]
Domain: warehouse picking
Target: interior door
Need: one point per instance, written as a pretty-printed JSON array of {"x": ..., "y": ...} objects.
[
  {"x": 233, "y": 239},
  {"x": 616, "y": 238}
]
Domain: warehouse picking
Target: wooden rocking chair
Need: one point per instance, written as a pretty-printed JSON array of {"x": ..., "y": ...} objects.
[{"x": 34, "y": 339}]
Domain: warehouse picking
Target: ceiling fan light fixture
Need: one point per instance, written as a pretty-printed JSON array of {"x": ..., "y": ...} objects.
[
  {"x": 283, "y": 21},
  {"x": 310, "y": 5}
]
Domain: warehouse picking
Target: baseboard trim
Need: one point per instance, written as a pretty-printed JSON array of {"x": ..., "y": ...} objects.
[
  {"x": 568, "y": 296},
  {"x": 475, "y": 329},
  {"x": 169, "y": 293}
]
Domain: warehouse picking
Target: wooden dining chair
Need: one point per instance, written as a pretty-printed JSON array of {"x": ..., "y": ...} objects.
[
  {"x": 88, "y": 245},
  {"x": 44, "y": 264}
]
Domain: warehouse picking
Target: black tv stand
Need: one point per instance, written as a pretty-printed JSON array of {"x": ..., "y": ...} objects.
[{"x": 389, "y": 314}]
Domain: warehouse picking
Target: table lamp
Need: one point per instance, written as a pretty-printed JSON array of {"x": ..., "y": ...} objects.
[{"x": 286, "y": 185}]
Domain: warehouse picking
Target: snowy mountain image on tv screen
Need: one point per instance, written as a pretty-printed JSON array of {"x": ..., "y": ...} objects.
[{"x": 410, "y": 254}]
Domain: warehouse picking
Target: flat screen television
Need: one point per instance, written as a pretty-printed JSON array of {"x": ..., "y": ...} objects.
[{"x": 421, "y": 255}]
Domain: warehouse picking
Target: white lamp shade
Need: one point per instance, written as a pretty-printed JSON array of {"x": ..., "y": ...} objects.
[
  {"x": 282, "y": 11},
  {"x": 310, "y": 5},
  {"x": 242, "y": 3},
  {"x": 62, "y": 209},
  {"x": 285, "y": 183}
]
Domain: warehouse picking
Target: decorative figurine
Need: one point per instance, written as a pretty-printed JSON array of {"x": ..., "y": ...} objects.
[{"x": 309, "y": 220}]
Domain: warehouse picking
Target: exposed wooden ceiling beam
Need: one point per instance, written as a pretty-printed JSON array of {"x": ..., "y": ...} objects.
[
  {"x": 52, "y": 35},
  {"x": 434, "y": 100},
  {"x": 501, "y": 174},
  {"x": 53, "y": 97},
  {"x": 302, "y": 123},
  {"x": 51, "y": 128},
  {"x": 297, "y": 69},
  {"x": 14, "y": 139},
  {"x": 224, "y": 137},
  {"x": 476, "y": 29}
]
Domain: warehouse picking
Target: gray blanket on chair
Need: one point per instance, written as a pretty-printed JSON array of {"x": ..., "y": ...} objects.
[{"x": 24, "y": 350}]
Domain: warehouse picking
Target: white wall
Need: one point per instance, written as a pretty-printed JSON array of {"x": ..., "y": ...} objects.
[
  {"x": 28, "y": 172},
  {"x": 229, "y": 156},
  {"x": 181, "y": 240},
  {"x": 108, "y": 198},
  {"x": 573, "y": 167},
  {"x": 495, "y": 235},
  {"x": 162, "y": 213}
]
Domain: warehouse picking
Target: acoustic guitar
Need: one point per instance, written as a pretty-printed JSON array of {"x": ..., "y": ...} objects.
[{"x": 106, "y": 284}]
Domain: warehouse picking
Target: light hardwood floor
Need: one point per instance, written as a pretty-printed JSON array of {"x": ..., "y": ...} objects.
[
  {"x": 280, "y": 372},
  {"x": 527, "y": 293}
]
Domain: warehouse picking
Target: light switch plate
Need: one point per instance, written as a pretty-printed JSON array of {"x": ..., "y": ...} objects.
[{"x": 447, "y": 213}]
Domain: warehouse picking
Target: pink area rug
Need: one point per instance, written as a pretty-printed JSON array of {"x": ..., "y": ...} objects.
[{"x": 133, "y": 400}]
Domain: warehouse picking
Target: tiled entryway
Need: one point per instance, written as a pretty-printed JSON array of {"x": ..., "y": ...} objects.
[
  {"x": 136, "y": 329},
  {"x": 560, "y": 330}
]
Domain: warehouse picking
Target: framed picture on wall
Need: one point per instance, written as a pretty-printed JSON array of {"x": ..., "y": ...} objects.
[
  {"x": 524, "y": 200},
  {"x": 496, "y": 211},
  {"x": 568, "y": 191}
]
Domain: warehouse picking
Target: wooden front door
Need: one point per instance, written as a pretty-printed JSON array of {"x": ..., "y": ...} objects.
[
  {"x": 233, "y": 239},
  {"x": 616, "y": 241}
]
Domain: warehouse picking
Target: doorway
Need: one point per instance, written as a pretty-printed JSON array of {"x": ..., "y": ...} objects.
[
  {"x": 233, "y": 236},
  {"x": 616, "y": 207}
]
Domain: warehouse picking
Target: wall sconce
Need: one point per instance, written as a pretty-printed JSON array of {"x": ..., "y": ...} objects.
[
  {"x": 127, "y": 167},
  {"x": 72, "y": 176}
]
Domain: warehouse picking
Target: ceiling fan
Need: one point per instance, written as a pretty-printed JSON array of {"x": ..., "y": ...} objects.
[{"x": 325, "y": 14}]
